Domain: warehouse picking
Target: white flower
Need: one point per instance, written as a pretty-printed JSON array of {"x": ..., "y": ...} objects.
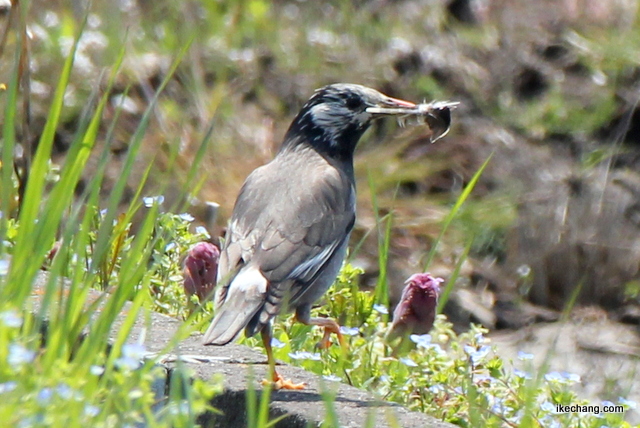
[
  {"x": 628, "y": 403},
  {"x": 19, "y": 355},
  {"x": 150, "y": 201},
  {"x": 187, "y": 217},
  {"x": 96, "y": 370},
  {"x": 524, "y": 356},
  {"x": 8, "y": 386},
  {"x": 349, "y": 331},
  {"x": 408, "y": 362},
  {"x": 275, "y": 343},
  {"x": 302, "y": 355},
  {"x": 380, "y": 308},
  {"x": 332, "y": 378},
  {"x": 11, "y": 318}
]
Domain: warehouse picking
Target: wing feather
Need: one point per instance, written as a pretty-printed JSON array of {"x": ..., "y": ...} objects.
[{"x": 287, "y": 235}]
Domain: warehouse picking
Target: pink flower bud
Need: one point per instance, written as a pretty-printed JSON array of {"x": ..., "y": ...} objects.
[
  {"x": 416, "y": 310},
  {"x": 200, "y": 270}
]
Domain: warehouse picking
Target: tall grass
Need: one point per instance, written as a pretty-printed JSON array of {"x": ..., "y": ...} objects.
[{"x": 59, "y": 364}]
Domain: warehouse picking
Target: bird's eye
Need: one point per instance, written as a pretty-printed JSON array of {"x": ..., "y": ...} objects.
[{"x": 354, "y": 102}]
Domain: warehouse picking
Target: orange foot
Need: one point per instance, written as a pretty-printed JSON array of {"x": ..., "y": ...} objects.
[
  {"x": 281, "y": 383},
  {"x": 325, "y": 342}
]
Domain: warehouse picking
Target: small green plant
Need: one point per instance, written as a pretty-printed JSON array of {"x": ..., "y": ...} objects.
[{"x": 455, "y": 378}]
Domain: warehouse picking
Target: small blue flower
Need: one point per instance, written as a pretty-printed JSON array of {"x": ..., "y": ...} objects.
[
  {"x": 186, "y": 217},
  {"x": 275, "y": 343},
  {"x": 170, "y": 246},
  {"x": 19, "y": 355},
  {"x": 499, "y": 407},
  {"x": 132, "y": 356},
  {"x": 8, "y": 386},
  {"x": 627, "y": 403},
  {"x": 44, "y": 396},
  {"x": 572, "y": 377},
  {"x": 150, "y": 201},
  {"x": 201, "y": 230},
  {"x": 483, "y": 378},
  {"x": 562, "y": 377},
  {"x": 524, "y": 356},
  {"x": 549, "y": 407},
  {"x": 408, "y": 362},
  {"x": 607, "y": 403},
  {"x": 11, "y": 318},
  {"x": 523, "y": 271},
  {"x": 134, "y": 350},
  {"x": 96, "y": 370},
  {"x": 554, "y": 377},
  {"x": 381, "y": 308},
  {"x": 436, "y": 388},
  {"x": 521, "y": 374},
  {"x": 349, "y": 331},
  {"x": 480, "y": 339},
  {"x": 477, "y": 355},
  {"x": 4, "y": 266},
  {"x": 423, "y": 340},
  {"x": 303, "y": 355},
  {"x": 332, "y": 378},
  {"x": 127, "y": 363},
  {"x": 64, "y": 391},
  {"x": 91, "y": 411}
]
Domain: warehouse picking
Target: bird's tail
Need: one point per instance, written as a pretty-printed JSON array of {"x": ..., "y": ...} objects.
[{"x": 244, "y": 298}]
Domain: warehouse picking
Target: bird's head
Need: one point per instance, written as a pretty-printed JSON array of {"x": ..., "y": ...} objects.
[{"x": 336, "y": 116}]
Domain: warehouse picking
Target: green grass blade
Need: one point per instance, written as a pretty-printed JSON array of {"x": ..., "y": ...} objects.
[
  {"x": 29, "y": 251},
  {"x": 446, "y": 291},
  {"x": 105, "y": 231},
  {"x": 7, "y": 193},
  {"x": 456, "y": 207},
  {"x": 382, "y": 288}
]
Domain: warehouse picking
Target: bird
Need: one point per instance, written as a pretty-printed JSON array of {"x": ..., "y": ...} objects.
[
  {"x": 290, "y": 226},
  {"x": 200, "y": 270},
  {"x": 415, "y": 313}
]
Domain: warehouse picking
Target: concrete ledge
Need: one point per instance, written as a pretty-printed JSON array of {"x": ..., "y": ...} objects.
[{"x": 352, "y": 406}]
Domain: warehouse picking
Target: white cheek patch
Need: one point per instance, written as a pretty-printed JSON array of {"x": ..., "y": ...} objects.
[
  {"x": 334, "y": 118},
  {"x": 330, "y": 117}
]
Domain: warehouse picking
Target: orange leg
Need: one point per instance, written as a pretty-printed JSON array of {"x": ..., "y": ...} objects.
[
  {"x": 277, "y": 381},
  {"x": 329, "y": 325}
]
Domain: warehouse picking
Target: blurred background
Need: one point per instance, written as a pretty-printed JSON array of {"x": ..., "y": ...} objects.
[{"x": 549, "y": 87}]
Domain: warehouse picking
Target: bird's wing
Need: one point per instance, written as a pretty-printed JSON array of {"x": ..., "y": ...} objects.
[{"x": 286, "y": 234}]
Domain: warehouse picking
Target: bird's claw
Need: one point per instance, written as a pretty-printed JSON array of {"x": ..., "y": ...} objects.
[
  {"x": 325, "y": 342},
  {"x": 279, "y": 382}
]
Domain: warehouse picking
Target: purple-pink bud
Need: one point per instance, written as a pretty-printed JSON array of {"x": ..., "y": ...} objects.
[
  {"x": 416, "y": 310},
  {"x": 200, "y": 270}
]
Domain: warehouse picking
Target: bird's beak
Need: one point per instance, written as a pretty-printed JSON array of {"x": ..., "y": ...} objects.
[{"x": 392, "y": 106}]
